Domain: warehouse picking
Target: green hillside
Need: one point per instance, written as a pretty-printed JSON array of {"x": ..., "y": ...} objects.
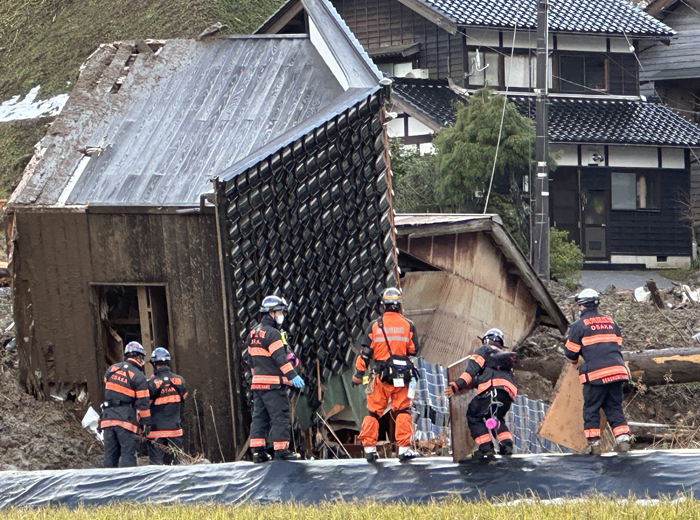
[{"x": 44, "y": 42}]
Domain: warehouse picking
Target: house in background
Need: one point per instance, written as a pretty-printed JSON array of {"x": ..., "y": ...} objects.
[
  {"x": 671, "y": 73},
  {"x": 625, "y": 162}
]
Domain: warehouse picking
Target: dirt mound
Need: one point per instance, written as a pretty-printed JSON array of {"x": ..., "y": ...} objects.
[
  {"x": 644, "y": 327},
  {"x": 36, "y": 434}
]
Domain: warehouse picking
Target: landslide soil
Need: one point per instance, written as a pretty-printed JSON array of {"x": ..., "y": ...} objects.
[
  {"x": 643, "y": 328},
  {"x": 36, "y": 434}
]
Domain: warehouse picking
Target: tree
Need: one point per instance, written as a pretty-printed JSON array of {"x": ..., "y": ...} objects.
[
  {"x": 466, "y": 151},
  {"x": 415, "y": 180},
  {"x": 465, "y": 158}
]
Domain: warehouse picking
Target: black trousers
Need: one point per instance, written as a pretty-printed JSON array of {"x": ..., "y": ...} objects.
[
  {"x": 159, "y": 456},
  {"x": 119, "y": 442},
  {"x": 484, "y": 407},
  {"x": 608, "y": 398},
  {"x": 271, "y": 414}
]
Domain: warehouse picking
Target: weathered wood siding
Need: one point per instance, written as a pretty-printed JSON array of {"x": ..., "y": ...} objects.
[
  {"x": 479, "y": 294},
  {"x": 59, "y": 255},
  {"x": 683, "y": 53},
  {"x": 378, "y": 23},
  {"x": 659, "y": 232}
]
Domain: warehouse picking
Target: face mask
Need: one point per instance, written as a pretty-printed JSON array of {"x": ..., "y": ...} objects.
[{"x": 279, "y": 319}]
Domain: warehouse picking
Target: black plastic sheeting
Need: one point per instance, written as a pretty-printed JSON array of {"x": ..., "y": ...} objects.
[{"x": 644, "y": 474}]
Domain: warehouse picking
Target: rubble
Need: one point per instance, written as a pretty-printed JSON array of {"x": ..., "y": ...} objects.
[
  {"x": 36, "y": 434},
  {"x": 644, "y": 328}
]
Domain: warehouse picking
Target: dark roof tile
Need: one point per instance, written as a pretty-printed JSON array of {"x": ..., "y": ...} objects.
[
  {"x": 574, "y": 120},
  {"x": 592, "y": 16}
]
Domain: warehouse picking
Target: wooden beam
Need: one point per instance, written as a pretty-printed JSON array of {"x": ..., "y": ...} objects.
[
  {"x": 284, "y": 18},
  {"x": 652, "y": 367},
  {"x": 412, "y": 111},
  {"x": 462, "y": 443}
]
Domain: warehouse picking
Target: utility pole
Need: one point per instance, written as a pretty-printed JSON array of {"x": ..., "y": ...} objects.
[{"x": 539, "y": 228}]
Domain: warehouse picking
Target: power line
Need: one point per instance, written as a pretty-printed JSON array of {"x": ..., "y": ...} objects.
[{"x": 503, "y": 115}]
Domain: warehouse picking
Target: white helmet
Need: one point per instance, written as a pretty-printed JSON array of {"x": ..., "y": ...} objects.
[
  {"x": 588, "y": 298},
  {"x": 495, "y": 335}
]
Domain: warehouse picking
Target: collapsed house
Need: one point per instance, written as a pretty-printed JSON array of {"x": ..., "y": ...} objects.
[
  {"x": 118, "y": 233},
  {"x": 182, "y": 182},
  {"x": 623, "y": 177},
  {"x": 464, "y": 274}
]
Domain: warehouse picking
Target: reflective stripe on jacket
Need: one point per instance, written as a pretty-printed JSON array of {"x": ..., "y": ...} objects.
[
  {"x": 167, "y": 393},
  {"x": 400, "y": 332},
  {"x": 484, "y": 375},
  {"x": 596, "y": 338},
  {"x": 126, "y": 397},
  {"x": 267, "y": 357}
]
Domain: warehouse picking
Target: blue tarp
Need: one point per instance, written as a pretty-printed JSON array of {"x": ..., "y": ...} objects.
[{"x": 642, "y": 473}]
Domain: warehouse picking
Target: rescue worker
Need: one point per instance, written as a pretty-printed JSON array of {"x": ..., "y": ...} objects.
[
  {"x": 389, "y": 341},
  {"x": 490, "y": 371},
  {"x": 167, "y": 392},
  {"x": 125, "y": 409},
  {"x": 596, "y": 338},
  {"x": 272, "y": 372}
]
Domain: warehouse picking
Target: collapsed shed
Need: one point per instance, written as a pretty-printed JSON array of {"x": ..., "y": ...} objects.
[
  {"x": 463, "y": 275},
  {"x": 117, "y": 234}
]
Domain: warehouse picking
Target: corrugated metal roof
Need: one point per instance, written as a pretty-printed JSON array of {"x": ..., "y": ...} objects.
[
  {"x": 181, "y": 116},
  {"x": 431, "y": 219}
]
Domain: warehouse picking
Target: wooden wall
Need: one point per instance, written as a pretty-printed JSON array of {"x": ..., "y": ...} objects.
[
  {"x": 478, "y": 294},
  {"x": 378, "y": 23},
  {"x": 58, "y": 255},
  {"x": 683, "y": 51}
]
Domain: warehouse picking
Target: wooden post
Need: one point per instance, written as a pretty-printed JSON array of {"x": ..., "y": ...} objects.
[
  {"x": 658, "y": 301},
  {"x": 462, "y": 443}
]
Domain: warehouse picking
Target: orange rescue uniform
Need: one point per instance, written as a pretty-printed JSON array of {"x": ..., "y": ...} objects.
[{"x": 401, "y": 334}]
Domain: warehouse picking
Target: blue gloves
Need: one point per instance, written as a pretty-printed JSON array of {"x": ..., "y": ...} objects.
[{"x": 298, "y": 382}]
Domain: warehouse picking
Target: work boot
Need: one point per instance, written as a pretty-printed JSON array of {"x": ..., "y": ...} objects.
[
  {"x": 506, "y": 448},
  {"x": 261, "y": 456},
  {"x": 593, "y": 448},
  {"x": 286, "y": 455},
  {"x": 623, "y": 443},
  {"x": 406, "y": 453},
  {"x": 371, "y": 454},
  {"x": 483, "y": 454}
]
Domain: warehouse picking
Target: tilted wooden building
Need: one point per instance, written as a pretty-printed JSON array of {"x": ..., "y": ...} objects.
[
  {"x": 464, "y": 274},
  {"x": 118, "y": 233}
]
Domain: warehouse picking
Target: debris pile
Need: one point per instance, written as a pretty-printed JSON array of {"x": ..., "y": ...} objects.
[
  {"x": 36, "y": 434},
  {"x": 645, "y": 327}
]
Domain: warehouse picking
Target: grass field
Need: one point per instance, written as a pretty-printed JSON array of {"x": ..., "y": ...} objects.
[
  {"x": 591, "y": 508},
  {"x": 44, "y": 42}
]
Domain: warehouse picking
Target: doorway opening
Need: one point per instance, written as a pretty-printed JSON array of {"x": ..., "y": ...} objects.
[{"x": 130, "y": 313}]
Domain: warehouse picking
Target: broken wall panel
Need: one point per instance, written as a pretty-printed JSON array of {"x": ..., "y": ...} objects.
[
  {"x": 312, "y": 223},
  {"x": 480, "y": 293},
  {"x": 64, "y": 254}
]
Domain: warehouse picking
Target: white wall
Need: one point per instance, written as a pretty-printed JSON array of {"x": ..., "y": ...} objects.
[
  {"x": 673, "y": 158},
  {"x": 567, "y": 42},
  {"x": 633, "y": 156},
  {"x": 570, "y": 154}
]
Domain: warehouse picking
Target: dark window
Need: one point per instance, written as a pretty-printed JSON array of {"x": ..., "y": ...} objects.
[
  {"x": 636, "y": 190},
  {"x": 613, "y": 73},
  {"x": 582, "y": 73}
]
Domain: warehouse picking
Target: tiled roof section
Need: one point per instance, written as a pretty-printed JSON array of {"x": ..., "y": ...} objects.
[
  {"x": 432, "y": 97},
  {"x": 571, "y": 120},
  {"x": 613, "y": 121},
  {"x": 592, "y": 16}
]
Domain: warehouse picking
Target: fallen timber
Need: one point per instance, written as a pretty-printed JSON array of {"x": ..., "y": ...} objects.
[{"x": 651, "y": 367}]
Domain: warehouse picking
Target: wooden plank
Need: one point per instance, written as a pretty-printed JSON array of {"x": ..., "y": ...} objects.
[
  {"x": 563, "y": 423},
  {"x": 462, "y": 443}
]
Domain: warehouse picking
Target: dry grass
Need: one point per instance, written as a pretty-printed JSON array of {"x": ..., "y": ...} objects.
[{"x": 595, "y": 507}]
